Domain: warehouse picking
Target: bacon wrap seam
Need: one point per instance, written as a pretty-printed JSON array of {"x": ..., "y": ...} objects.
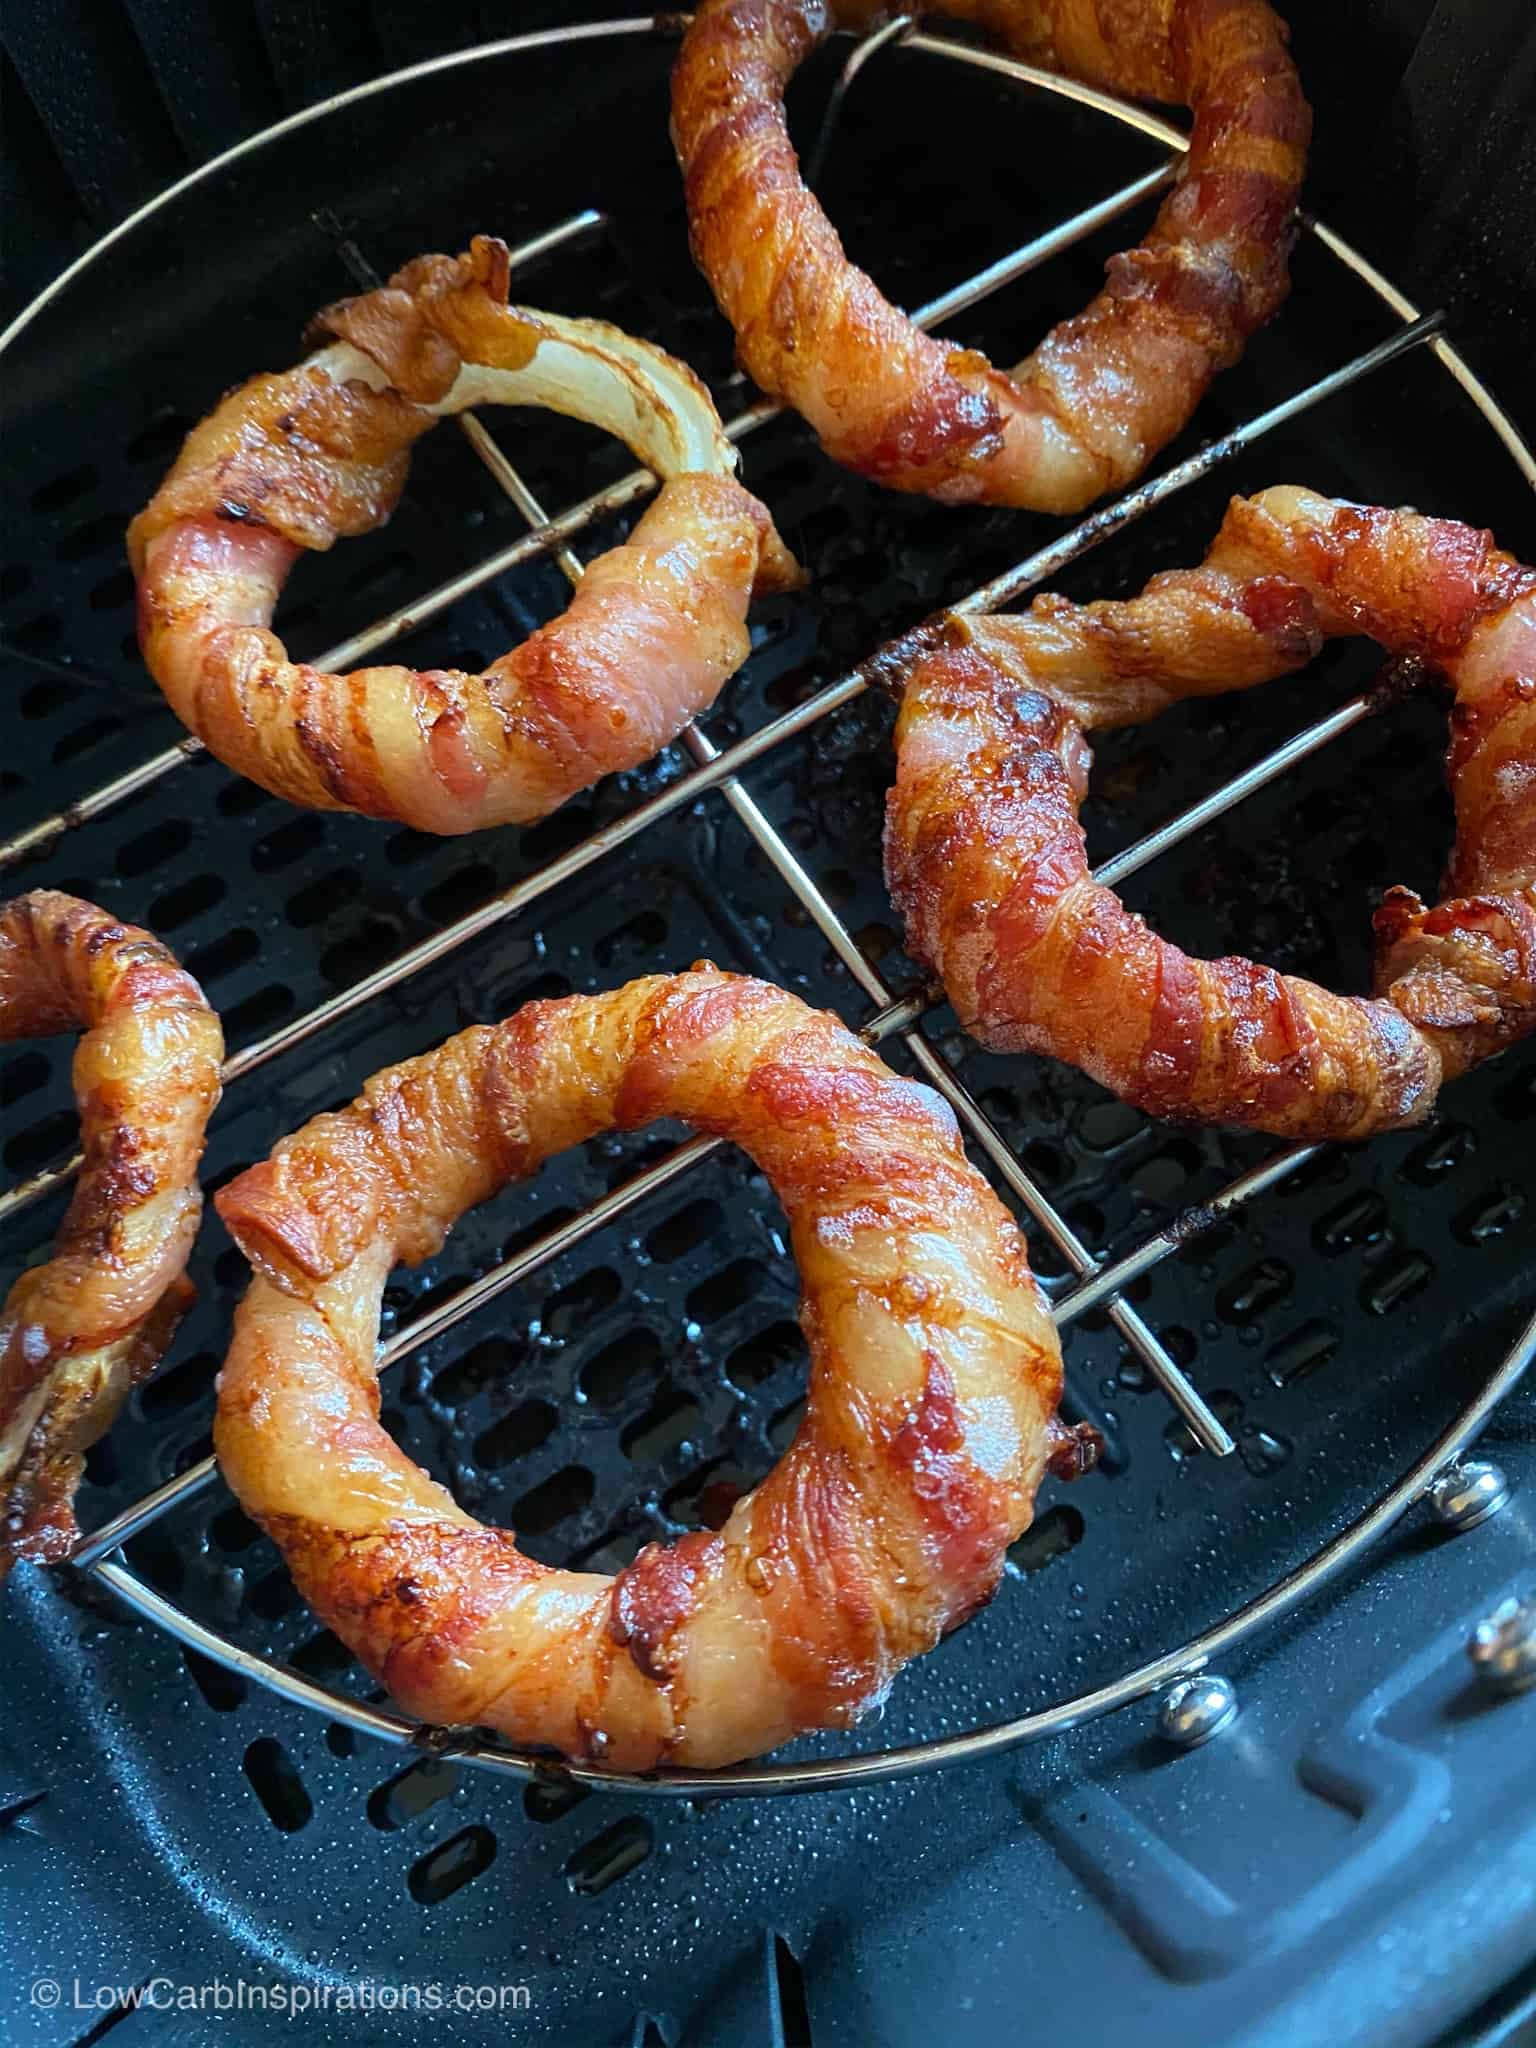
[
  {"x": 80, "y": 1330},
  {"x": 1105, "y": 390},
  {"x": 934, "y": 1377},
  {"x": 986, "y": 860},
  {"x": 299, "y": 459}
]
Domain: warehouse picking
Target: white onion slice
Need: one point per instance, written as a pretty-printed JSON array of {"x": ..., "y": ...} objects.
[{"x": 590, "y": 371}]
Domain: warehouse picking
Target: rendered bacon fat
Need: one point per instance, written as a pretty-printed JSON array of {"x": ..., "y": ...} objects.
[
  {"x": 1104, "y": 391},
  {"x": 299, "y": 459},
  {"x": 934, "y": 1378},
  {"x": 79, "y": 1331},
  {"x": 986, "y": 859}
]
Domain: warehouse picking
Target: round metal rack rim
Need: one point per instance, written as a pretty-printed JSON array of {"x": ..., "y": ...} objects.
[{"x": 855, "y": 1769}]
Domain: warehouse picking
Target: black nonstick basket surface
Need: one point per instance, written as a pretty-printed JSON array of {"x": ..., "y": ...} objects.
[{"x": 1355, "y": 1861}]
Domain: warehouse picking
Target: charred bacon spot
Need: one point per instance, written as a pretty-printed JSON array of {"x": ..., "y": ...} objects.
[
  {"x": 654, "y": 1596},
  {"x": 1072, "y": 1451}
]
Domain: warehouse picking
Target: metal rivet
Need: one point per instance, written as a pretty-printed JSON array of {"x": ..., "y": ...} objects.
[
  {"x": 1466, "y": 1495},
  {"x": 1192, "y": 1710},
  {"x": 1503, "y": 1648}
]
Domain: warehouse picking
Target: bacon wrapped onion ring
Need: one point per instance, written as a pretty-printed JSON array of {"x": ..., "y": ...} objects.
[
  {"x": 298, "y": 459},
  {"x": 934, "y": 1378},
  {"x": 1104, "y": 391},
  {"x": 78, "y": 1332},
  {"x": 986, "y": 860}
]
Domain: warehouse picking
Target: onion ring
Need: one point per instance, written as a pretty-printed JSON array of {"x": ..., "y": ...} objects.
[
  {"x": 298, "y": 459},
  {"x": 986, "y": 860},
  {"x": 82, "y": 1329},
  {"x": 1104, "y": 391},
  {"x": 934, "y": 1378}
]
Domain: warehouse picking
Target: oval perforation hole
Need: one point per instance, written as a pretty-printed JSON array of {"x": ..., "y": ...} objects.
[
  {"x": 781, "y": 1431},
  {"x": 408, "y": 1795},
  {"x": 288, "y": 842},
  {"x": 84, "y": 738},
  {"x": 369, "y": 947},
  {"x": 407, "y": 845},
  {"x": 161, "y": 843},
  {"x": 1360, "y": 1219},
  {"x": 465, "y": 889},
  {"x": 238, "y": 798},
  {"x": 257, "y": 1014},
  {"x": 274, "y": 1595},
  {"x": 637, "y": 938},
  {"x": 232, "y": 1529},
  {"x": 1302, "y": 1352},
  {"x": 665, "y": 1427},
  {"x": 551, "y": 1799},
  {"x": 321, "y": 898},
  {"x": 278, "y": 1786},
  {"x": 1396, "y": 1283},
  {"x": 222, "y": 955},
  {"x": 1158, "y": 1180},
  {"x": 1106, "y": 1126},
  {"x": 223, "y": 1689},
  {"x": 189, "y": 899},
  {"x": 323, "y": 1656},
  {"x": 113, "y": 592},
  {"x": 485, "y": 1364},
  {"x": 1254, "y": 1293},
  {"x": 557, "y": 834},
  {"x": 41, "y": 1143},
  {"x": 63, "y": 490},
  {"x": 1495, "y": 1212},
  {"x": 91, "y": 536},
  {"x": 179, "y": 1385},
  {"x": 23, "y": 1075},
  {"x": 454, "y": 1864},
  {"x": 728, "y": 1289},
  {"x": 794, "y": 2008},
  {"x": 1048, "y": 1537},
  {"x": 584, "y": 1298},
  {"x": 563, "y": 1493},
  {"x": 515, "y": 1435},
  {"x": 760, "y": 1357},
  {"x": 597, "y": 1864},
  {"x": 621, "y": 1368},
  {"x": 684, "y": 1231},
  {"x": 160, "y": 440}
]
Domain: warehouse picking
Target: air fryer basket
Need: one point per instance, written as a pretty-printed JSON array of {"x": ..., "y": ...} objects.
[{"x": 616, "y": 1376}]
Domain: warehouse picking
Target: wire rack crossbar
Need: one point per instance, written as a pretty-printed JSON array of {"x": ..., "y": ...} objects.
[{"x": 897, "y": 1014}]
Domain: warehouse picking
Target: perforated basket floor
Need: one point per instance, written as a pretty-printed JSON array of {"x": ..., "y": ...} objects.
[{"x": 628, "y": 1388}]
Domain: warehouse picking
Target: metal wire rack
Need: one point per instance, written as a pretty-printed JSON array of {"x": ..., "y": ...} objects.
[{"x": 896, "y": 1012}]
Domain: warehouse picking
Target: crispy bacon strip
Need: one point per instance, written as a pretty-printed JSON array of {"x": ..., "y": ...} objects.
[
  {"x": 1104, "y": 391},
  {"x": 79, "y": 1331},
  {"x": 934, "y": 1378},
  {"x": 986, "y": 859},
  {"x": 300, "y": 459}
]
